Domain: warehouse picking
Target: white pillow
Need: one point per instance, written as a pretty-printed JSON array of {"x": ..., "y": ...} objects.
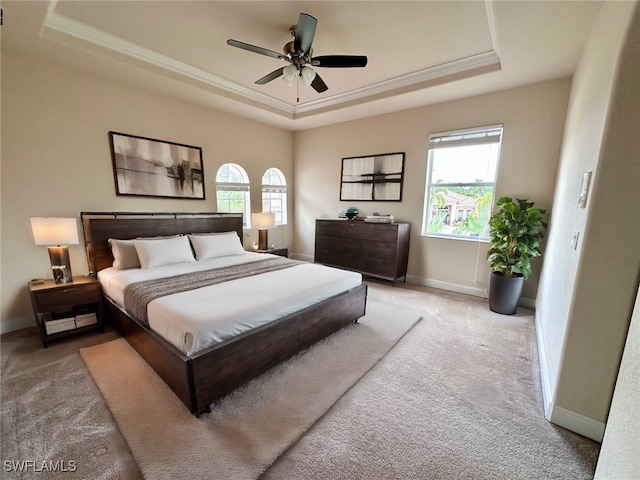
[
  {"x": 215, "y": 245},
  {"x": 124, "y": 254},
  {"x": 156, "y": 253}
]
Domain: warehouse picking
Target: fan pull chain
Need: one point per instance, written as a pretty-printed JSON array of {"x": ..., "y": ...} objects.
[{"x": 297, "y": 88}]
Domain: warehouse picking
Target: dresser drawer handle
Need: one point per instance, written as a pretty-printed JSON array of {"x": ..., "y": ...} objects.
[{"x": 68, "y": 290}]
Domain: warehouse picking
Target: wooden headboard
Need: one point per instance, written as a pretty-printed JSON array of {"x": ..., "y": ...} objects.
[{"x": 99, "y": 227}]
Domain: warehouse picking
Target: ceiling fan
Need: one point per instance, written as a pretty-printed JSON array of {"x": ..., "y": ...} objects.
[{"x": 299, "y": 54}]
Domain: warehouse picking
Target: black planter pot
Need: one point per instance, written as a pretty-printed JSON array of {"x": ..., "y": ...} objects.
[{"x": 504, "y": 293}]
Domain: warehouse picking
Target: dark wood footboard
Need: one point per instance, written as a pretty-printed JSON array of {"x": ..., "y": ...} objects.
[
  {"x": 170, "y": 364},
  {"x": 204, "y": 377},
  {"x": 223, "y": 367}
]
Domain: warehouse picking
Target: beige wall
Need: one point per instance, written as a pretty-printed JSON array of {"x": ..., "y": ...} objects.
[
  {"x": 533, "y": 118},
  {"x": 586, "y": 295},
  {"x": 56, "y": 160},
  {"x": 619, "y": 458}
]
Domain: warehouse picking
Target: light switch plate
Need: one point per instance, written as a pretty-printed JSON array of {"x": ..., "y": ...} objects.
[{"x": 584, "y": 189}]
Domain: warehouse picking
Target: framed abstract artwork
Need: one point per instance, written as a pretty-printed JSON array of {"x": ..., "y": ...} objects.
[
  {"x": 156, "y": 168},
  {"x": 375, "y": 178}
]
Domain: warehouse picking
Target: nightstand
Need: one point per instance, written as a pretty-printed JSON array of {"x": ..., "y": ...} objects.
[
  {"x": 282, "y": 251},
  {"x": 65, "y": 309}
]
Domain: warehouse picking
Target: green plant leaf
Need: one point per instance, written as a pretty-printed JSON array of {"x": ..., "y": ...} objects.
[{"x": 515, "y": 232}]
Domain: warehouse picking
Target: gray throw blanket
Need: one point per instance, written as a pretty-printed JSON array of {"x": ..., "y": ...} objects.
[{"x": 138, "y": 295}]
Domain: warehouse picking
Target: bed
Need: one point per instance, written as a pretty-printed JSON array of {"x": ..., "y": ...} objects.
[{"x": 273, "y": 326}]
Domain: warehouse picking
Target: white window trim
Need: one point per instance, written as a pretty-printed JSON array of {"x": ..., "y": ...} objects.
[
  {"x": 237, "y": 187},
  {"x": 280, "y": 188},
  {"x": 434, "y": 139}
]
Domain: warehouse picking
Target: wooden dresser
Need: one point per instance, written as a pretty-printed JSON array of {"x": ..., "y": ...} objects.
[{"x": 374, "y": 249}]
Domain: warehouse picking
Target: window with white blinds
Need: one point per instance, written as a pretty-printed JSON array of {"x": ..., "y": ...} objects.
[{"x": 460, "y": 183}]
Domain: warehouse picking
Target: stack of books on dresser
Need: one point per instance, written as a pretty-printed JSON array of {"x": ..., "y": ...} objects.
[{"x": 379, "y": 218}]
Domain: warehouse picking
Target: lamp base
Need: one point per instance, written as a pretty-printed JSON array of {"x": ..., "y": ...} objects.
[
  {"x": 60, "y": 264},
  {"x": 263, "y": 242}
]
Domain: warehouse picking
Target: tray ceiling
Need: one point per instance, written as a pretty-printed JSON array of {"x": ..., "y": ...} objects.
[{"x": 419, "y": 52}]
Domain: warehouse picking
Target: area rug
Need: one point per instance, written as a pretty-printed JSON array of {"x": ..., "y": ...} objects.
[{"x": 250, "y": 428}]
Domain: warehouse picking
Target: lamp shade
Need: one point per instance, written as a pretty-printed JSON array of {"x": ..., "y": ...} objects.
[
  {"x": 54, "y": 231},
  {"x": 263, "y": 220}
]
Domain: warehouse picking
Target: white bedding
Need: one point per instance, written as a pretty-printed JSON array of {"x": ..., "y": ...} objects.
[{"x": 196, "y": 319}]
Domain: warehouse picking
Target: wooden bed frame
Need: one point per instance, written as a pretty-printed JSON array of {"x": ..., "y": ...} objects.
[{"x": 201, "y": 378}]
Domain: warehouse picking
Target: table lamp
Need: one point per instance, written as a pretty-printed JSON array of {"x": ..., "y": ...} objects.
[
  {"x": 58, "y": 233},
  {"x": 263, "y": 221}
]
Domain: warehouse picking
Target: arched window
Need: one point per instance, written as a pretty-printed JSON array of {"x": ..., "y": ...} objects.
[
  {"x": 274, "y": 194},
  {"x": 232, "y": 191}
]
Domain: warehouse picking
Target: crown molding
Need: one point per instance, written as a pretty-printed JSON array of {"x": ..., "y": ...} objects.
[
  {"x": 68, "y": 30},
  {"x": 491, "y": 22},
  {"x": 444, "y": 70},
  {"x": 90, "y": 37}
]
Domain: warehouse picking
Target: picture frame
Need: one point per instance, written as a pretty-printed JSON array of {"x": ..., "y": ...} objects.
[
  {"x": 148, "y": 167},
  {"x": 372, "y": 178}
]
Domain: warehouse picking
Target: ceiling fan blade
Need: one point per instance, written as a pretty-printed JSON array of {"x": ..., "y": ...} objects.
[
  {"x": 319, "y": 85},
  {"x": 339, "y": 61},
  {"x": 271, "y": 76},
  {"x": 305, "y": 31},
  {"x": 254, "y": 49}
]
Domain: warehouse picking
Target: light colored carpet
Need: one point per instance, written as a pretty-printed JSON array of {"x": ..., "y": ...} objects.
[
  {"x": 457, "y": 398},
  {"x": 460, "y": 394},
  {"x": 53, "y": 414},
  {"x": 248, "y": 429}
]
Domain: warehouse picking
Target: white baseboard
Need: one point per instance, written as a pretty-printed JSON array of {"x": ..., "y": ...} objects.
[
  {"x": 527, "y": 302},
  {"x": 451, "y": 287},
  {"x": 544, "y": 371},
  {"x": 454, "y": 287},
  {"x": 427, "y": 282},
  {"x": 585, "y": 426}
]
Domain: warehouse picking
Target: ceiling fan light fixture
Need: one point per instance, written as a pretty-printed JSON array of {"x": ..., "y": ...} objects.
[
  {"x": 308, "y": 74},
  {"x": 299, "y": 54},
  {"x": 303, "y": 82},
  {"x": 289, "y": 73}
]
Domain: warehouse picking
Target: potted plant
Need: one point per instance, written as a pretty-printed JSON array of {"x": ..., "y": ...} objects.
[{"x": 515, "y": 231}]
